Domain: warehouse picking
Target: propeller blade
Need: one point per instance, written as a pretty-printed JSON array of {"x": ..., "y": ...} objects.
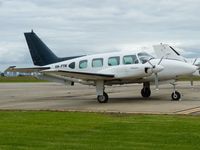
[
  {"x": 160, "y": 60},
  {"x": 194, "y": 61},
  {"x": 191, "y": 82},
  {"x": 150, "y": 63},
  {"x": 156, "y": 81}
]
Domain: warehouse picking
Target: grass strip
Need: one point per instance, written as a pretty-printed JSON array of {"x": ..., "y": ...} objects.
[{"x": 30, "y": 130}]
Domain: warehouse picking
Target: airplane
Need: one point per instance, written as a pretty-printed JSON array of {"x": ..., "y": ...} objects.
[{"x": 103, "y": 69}]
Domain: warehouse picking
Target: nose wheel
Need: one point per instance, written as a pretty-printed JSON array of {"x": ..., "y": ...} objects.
[{"x": 176, "y": 96}]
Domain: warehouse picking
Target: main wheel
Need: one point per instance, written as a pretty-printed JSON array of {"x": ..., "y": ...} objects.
[
  {"x": 146, "y": 92},
  {"x": 176, "y": 96},
  {"x": 103, "y": 98}
]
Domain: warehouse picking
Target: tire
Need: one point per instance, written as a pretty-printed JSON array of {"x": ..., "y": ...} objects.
[
  {"x": 176, "y": 96},
  {"x": 102, "y": 98},
  {"x": 146, "y": 92}
]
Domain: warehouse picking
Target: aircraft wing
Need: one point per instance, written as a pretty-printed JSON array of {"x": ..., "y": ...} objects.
[
  {"x": 26, "y": 70},
  {"x": 80, "y": 75}
]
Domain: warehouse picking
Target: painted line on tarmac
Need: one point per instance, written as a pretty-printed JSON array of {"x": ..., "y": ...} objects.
[{"x": 188, "y": 111}]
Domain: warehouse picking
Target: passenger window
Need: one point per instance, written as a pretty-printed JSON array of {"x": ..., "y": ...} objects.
[
  {"x": 98, "y": 62},
  {"x": 113, "y": 61},
  {"x": 72, "y": 65},
  {"x": 130, "y": 59},
  {"x": 83, "y": 64}
]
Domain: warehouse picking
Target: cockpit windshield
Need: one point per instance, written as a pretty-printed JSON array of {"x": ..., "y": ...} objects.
[{"x": 144, "y": 57}]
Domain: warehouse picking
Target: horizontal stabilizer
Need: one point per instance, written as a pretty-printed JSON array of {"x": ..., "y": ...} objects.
[{"x": 26, "y": 70}]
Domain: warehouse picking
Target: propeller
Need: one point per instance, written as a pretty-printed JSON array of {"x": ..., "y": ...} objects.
[
  {"x": 191, "y": 78},
  {"x": 156, "y": 81},
  {"x": 194, "y": 61},
  {"x": 191, "y": 82},
  {"x": 155, "y": 69}
]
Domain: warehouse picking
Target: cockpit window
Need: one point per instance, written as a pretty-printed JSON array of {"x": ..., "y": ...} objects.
[
  {"x": 130, "y": 59},
  {"x": 144, "y": 57}
]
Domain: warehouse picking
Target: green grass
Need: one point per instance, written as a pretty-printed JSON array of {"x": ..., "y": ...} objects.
[
  {"x": 73, "y": 130},
  {"x": 186, "y": 78},
  {"x": 20, "y": 79}
]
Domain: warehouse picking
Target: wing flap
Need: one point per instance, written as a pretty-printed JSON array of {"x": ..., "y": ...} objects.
[{"x": 80, "y": 75}]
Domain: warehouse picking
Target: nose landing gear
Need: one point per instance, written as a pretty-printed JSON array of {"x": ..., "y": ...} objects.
[{"x": 176, "y": 96}]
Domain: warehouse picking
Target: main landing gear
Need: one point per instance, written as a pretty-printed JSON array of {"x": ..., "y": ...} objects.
[
  {"x": 102, "y": 96},
  {"x": 146, "y": 91}
]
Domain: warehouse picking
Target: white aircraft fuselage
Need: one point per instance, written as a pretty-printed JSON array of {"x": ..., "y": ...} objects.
[{"x": 127, "y": 73}]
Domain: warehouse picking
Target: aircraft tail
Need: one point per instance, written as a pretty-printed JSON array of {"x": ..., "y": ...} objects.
[{"x": 40, "y": 53}]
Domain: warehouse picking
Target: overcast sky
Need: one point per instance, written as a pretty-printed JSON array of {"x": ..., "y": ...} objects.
[{"x": 73, "y": 27}]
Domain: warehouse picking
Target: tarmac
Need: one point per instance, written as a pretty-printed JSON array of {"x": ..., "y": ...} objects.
[{"x": 123, "y": 99}]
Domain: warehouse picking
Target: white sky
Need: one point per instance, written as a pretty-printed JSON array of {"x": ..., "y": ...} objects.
[{"x": 74, "y": 27}]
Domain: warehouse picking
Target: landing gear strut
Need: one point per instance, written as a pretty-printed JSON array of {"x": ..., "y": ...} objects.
[
  {"x": 146, "y": 91},
  {"x": 176, "y": 96},
  {"x": 102, "y": 96}
]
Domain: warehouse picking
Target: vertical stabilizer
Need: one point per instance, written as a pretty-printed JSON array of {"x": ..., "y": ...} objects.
[{"x": 40, "y": 53}]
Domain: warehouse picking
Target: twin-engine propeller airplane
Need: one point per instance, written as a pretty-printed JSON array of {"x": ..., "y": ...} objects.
[{"x": 104, "y": 69}]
